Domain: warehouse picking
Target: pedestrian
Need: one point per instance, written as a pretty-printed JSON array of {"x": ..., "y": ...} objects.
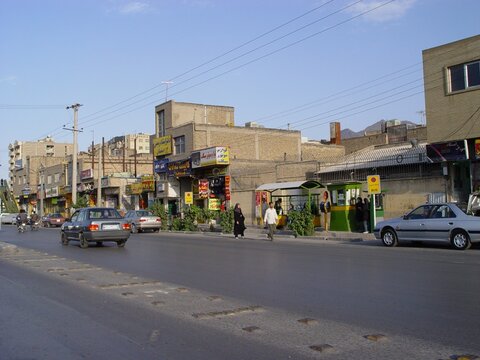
[
  {"x": 366, "y": 215},
  {"x": 278, "y": 207},
  {"x": 359, "y": 213},
  {"x": 325, "y": 208},
  {"x": 239, "y": 221},
  {"x": 264, "y": 209},
  {"x": 271, "y": 219}
]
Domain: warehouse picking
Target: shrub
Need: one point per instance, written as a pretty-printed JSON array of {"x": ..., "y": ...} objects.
[
  {"x": 82, "y": 202},
  {"x": 159, "y": 210},
  {"x": 177, "y": 224},
  {"x": 226, "y": 221},
  {"x": 301, "y": 222},
  {"x": 190, "y": 217}
]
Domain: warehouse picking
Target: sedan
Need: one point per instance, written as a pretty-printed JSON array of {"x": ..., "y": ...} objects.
[
  {"x": 55, "y": 219},
  {"x": 444, "y": 222},
  {"x": 141, "y": 220},
  {"x": 8, "y": 218},
  {"x": 95, "y": 225}
]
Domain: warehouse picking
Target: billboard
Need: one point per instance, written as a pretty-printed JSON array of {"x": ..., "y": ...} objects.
[
  {"x": 162, "y": 145},
  {"x": 160, "y": 166},
  {"x": 179, "y": 168},
  {"x": 218, "y": 155}
]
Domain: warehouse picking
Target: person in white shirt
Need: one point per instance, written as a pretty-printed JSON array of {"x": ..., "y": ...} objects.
[{"x": 270, "y": 220}]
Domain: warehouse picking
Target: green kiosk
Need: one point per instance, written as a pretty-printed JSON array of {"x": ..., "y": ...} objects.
[{"x": 343, "y": 197}]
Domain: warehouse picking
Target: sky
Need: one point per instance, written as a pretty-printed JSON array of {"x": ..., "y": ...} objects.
[{"x": 284, "y": 64}]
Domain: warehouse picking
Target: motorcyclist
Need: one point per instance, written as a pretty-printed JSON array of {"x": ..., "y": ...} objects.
[
  {"x": 22, "y": 217},
  {"x": 34, "y": 219}
]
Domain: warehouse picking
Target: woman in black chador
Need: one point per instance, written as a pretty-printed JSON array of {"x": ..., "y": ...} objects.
[{"x": 238, "y": 221}]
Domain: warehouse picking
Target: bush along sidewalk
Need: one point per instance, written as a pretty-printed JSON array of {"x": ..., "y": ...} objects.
[
  {"x": 226, "y": 221},
  {"x": 159, "y": 210},
  {"x": 301, "y": 222}
]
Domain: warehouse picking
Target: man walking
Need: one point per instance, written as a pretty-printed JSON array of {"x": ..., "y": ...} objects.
[{"x": 270, "y": 220}]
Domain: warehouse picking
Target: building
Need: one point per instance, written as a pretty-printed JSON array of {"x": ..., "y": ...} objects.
[
  {"x": 20, "y": 151},
  {"x": 199, "y": 150},
  {"x": 452, "y": 98}
]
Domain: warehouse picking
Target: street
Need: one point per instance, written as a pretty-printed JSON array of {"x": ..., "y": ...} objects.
[{"x": 184, "y": 296}]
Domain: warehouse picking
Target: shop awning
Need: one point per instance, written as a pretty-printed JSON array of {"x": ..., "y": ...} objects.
[{"x": 307, "y": 185}]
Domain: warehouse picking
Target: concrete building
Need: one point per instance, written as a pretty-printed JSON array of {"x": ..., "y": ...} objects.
[
  {"x": 452, "y": 98},
  {"x": 200, "y": 150},
  {"x": 20, "y": 151}
]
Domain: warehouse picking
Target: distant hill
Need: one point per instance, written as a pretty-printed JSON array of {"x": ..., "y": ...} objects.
[{"x": 348, "y": 133}]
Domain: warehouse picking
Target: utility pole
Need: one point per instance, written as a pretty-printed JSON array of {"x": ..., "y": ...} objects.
[
  {"x": 75, "y": 149},
  {"x": 103, "y": 155},
  {"x": 124, "y": 149},
  {"x": 135, "y": 154},
  {"x": 99, "y": 180},
  {"x": 42, "y": 189}
]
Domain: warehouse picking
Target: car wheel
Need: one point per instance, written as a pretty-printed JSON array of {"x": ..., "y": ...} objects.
[
  {"x": 133, "y": 229},
  {"x": 460, "y": 240},
  {"x": 389, "y": 238},
  {"x": 121, "y": 243},
  {"x": 64, "y": 239},
  {"x": 156, "y": 230},
  {"x": 83, "y": 241},
  {"x": 99, "y": 243}
]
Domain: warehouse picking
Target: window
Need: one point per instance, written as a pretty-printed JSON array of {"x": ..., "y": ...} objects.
[
  {"x": 161, "y": 122},
  {"x": 422, "y": 212},
  {"x": 464, "y": 76},
  {"x": 442, "y": 212},
  {"x": 179, "y": 144},
  {"x": 49, "y": 179},
  {"x": 57, "y": 177}
]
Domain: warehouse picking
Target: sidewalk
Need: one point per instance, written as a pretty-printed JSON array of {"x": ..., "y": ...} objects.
[{"x": 258, "y": 232}]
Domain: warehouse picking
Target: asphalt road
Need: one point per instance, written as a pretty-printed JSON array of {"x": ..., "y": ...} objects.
[{"x": 423, "y": 300}]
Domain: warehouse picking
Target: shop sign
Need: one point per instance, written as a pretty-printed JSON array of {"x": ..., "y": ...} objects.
[
  {"x": 86, "y": 174},
  {"x": 203, "y": 188},
  {"x": 227, "y": 187},
  {"x": 148, "y": 183},
  {"x": 162, "y": 145},
  {"x": 218, "y": 155},
  {"x": 160, "y": 166},
  {"x": 188, "y": 198},
  {"x": 51, "y": 192},
  {"x": 477, "y": 149},
  {"x": 179, "y": 168},
  {"x": 136, "y": 189},
  {"x": 214, "y": 204},
  {"x": 447, "y": 151}
]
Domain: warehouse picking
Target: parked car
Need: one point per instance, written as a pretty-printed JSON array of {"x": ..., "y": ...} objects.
[
  {"x": 55, "y": 219},
  {"x": 141, "y": 220},
  {"x": 9, "y": 218},
  {"x": 444, "y": 222},
  {"x": 95, "y": 225}
]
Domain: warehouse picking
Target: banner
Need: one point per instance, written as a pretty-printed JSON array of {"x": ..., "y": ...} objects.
[
  {"x": 160, "y": 166},
  {"x": 179, "y": 168},
  {"x": 203, "y": 189},
  {"x": 214, "y": 204}
]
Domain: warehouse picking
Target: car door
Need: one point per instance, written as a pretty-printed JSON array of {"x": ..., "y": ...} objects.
[
  {"x": 441, "y": 221},
  {"x": 68, "y": 227},
  {"x": 413, "y": 226}
]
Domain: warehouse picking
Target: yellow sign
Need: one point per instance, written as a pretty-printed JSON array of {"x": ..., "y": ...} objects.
[
  {"x": 374, "y": 184},
  {"x": 162, "y": 145},
  {"x": 214, "y": 204},
  {"x": 188, "y": 198}
]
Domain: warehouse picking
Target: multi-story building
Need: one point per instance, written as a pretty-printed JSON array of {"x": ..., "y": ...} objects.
[
  {"x": 199, "y": 150},
  {"x": 452, "y": 98},
  {"x": 128, "y": 143},
  {"x": 26, "y": 159}
]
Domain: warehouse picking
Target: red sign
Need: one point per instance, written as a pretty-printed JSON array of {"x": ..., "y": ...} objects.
[
  {"x": 203, "y": 189},
  {"x": 227, "y": 187}
]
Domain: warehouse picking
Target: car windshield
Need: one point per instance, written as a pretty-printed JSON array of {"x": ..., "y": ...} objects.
[
  {"x": 56, "y": 215},
  {"x": 144, "y": 213},
  {"x": 103, "y": 214}
]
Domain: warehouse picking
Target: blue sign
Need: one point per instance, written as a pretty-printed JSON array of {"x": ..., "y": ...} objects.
[{"x": 160, "y": 166}]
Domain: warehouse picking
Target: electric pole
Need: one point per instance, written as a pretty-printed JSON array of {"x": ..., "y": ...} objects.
[
  {"x": 99, "y": 180},
  {"x": 75, "y": 149}
]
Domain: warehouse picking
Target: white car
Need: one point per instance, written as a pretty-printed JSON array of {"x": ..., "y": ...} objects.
[
  {"x": 8, "y": 218},
  {"x": 444, "y": 222}
]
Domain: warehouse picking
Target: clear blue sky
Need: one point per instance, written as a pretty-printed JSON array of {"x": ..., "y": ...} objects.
[{"x": 102, "y": 52}]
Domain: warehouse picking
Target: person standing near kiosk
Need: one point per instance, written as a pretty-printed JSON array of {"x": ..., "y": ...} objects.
[{"x": 325, "y": 207}]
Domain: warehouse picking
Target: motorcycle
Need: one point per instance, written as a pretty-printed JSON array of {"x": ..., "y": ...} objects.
[
  {"x": 21, "y": 227},
  {"x": 34, "y": 225}
]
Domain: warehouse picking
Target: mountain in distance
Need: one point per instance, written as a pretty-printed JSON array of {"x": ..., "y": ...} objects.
[{"x": 348, "y": 133}]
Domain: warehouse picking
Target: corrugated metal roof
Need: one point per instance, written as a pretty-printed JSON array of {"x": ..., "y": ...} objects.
[{"x": 373, "y": 157}]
